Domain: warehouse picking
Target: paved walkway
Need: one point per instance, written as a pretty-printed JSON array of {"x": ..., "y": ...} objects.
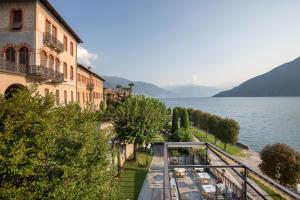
[{"x": 153, "y": 185}]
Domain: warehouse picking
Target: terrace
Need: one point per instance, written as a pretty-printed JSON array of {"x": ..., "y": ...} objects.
[{"x": 208, "y": 174}]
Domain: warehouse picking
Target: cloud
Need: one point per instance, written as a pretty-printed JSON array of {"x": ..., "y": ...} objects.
[{"x": 85, "y": 57}]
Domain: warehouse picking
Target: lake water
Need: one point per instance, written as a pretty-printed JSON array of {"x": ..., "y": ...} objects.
[{"x": 263, "y": 120}]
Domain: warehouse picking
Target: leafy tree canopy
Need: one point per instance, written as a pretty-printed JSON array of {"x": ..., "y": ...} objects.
[
  {"x": 281, "y": 162},
  {"x": 49, "y": 152},
  {"x": 139, "y": 118}
]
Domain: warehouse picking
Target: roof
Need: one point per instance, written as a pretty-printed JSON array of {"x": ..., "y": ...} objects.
[
  {"x": 60, "y": 19},
  {"x": 89, "y": 71}
]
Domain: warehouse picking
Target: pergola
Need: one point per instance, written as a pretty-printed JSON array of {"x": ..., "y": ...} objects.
[{"x": 218, "y": 152}]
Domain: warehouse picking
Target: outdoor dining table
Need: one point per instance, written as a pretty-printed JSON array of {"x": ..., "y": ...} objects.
[
  {"x": 180, "y": 171},
  {"x": 199, "y": 169},
  {"x": 209, "y": 188},
  {"x": 204, "y": 175}
]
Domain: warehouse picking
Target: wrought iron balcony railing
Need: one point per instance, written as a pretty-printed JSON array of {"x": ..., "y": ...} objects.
[
  {"x": 90, "y": 86},
  {"x": 33, "y": 71},
  {"x": 53, "y": 42},
  {"x": 42, "y": 72}
]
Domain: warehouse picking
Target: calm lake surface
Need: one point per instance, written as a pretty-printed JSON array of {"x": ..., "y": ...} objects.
[{"x": 263, "y": 120}]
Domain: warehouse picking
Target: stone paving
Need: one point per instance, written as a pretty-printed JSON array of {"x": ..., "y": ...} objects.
[{"x": 153, "y": 185}]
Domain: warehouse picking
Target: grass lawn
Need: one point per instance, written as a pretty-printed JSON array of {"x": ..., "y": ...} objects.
[
  {"x": 133, "y": 175},
  {"x": 231, "y": 149},
  {"x": 267, "y": 189}
]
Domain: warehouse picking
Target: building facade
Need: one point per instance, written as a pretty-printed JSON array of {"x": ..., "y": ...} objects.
[
  {"x": 37, "y": 46},
  {"x": 89, "y": 88}
]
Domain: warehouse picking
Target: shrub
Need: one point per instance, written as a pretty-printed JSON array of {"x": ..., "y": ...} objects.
[
  {"x": 49, "y": 152},
  {"x": 281, "y": 162}
]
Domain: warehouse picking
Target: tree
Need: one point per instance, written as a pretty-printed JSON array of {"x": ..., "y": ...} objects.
[
  {"x": 184, "y": 119},
  {"x": 131, "y": 85},
  {"x": 228, "y": 131},
  {"x": 138, "y": 119},
  {"x": 175, "y": 121},
  {"x": 204, "y": 121},
  {"x": 49, "y": 152},
  {"x": 212, "y": 123},
  {"x": 281, "y": 162}
]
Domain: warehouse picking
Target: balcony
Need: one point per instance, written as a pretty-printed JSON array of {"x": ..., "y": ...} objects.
[
  {"x": 52, "y": 42},
  {"x": 32, "y": 71},
  {"x": 90, "y": 86},
  {"x": 6, "y": 66},
  {"x": 44, "y": 73}
]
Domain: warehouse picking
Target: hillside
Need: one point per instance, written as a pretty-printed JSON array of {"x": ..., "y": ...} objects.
[
  {"x": 281, "y": 81},
  {"x": 194, "y": 91},
  {"x": 140, "y": 87}
]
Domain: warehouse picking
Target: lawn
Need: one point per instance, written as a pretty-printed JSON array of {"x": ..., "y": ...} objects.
[
  {"x": 267, "y": 189},
  {"x": 231, "y": 149},
  {"x": 133, "y": 175}
]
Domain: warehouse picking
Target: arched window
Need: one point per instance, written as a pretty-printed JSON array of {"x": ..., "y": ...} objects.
[
  {"x": 71, "y": 72},
  {"x": 43, "y": 59},
  {"x": 24, "y": 56},
  {"x": 57, "y": 63},
  {"x": 10, "y": 55},
  {"x": 65, "y": 71},
  {"x": 51, "y": 62}
]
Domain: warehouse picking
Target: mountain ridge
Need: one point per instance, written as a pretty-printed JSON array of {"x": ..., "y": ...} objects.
[
  {"x": 281, "y": 81},
  {"x": 150, "y": 89}
]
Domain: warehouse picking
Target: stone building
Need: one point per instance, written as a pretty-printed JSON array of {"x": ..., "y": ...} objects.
[
  {"x": 37, "y": 46},
  {"x": 89, "y": 87}
]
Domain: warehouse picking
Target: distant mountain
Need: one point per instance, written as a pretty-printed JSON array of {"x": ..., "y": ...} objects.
[
  {"x": 140, "y": 87},
  {"x": 281, "y": 81},
  {"x": 194, "y": 91}
]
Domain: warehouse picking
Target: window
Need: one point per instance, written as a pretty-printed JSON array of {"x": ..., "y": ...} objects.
[
  {"x": 65, "y": 97},
  {"x": 65, "y": 43},
  {"x": 10, "y": 55},
  {"x": 78, "y": 97},
  {"x": 57, "y": 97},
  {"x": 71, "y": 48},
  {"x": 46, "y": 91},
  {"x": 57, "y": 63},
  {"x": 51, "y": 62},
  {"x": 24, "y": 56},
  {"x": 71, "y": 72},
  {"x": 54, "y": 31},
  {"x": 65, "y": 71},
  {"x": 72, "y": 97},
  {"x": 78, "y": 77},
  {"x": 48, "y": 26},
  {"x": 43, "y": 59},
  {"x": 16, "y": 21},
  {"x": 83, "y": 97}
]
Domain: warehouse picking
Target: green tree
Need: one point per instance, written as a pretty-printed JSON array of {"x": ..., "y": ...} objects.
[
  {"x": 131, "y": 85},
  {"x": 184, "y": 119},
  {"x": 175, "y": 120},
  {"x": 49, "y": 152},
  {"x": 204, "y": 122},
  {"x": 228, "y": 131},
  {"x": 138, "y": 119},
  {"x": 213, "y": 122},
  {"x": 281, "y": 162}
]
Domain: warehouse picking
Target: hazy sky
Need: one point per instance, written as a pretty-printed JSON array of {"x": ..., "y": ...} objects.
[{"x": 171, "y": 42}]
